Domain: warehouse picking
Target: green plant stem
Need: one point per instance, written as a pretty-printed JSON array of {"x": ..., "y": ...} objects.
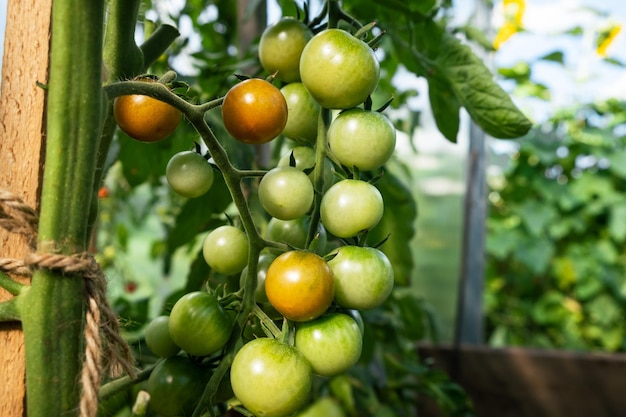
[
  {"x": 12, "y": 286},
  {"x": 157, "y": 43},
  {"x": 267, "y": 322},
  {"x": 113, "y": 387},
  {"x": 318, "y": 172},
  {"x": 9, "y": 310},
  {"x": 53, "y": 319}
]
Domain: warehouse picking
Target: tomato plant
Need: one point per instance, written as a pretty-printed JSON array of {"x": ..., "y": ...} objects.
[
  {"x": 199, "y": 324},
  {"x": 175, "y": 386},
  {"x": 212, "y": 319},
  {"x": 350, "y": 207},
  {"x": 338, "y": 70},
  {"x": 280, "y": 47},
  {"x": 361, "y": 139},
  {"x": 254, "y": 111},
  {"x": 286, "y": 193},
  {"x": 144, "y": 118},
  {"x": 363, "y": 277},
  {"x": 189, "y": 174},
  {"x": 271, "y": 378},
  {"x": 225, "y": 249},
  {"x": 331, "y": 343},
  {"x": 300, "y": 285}
]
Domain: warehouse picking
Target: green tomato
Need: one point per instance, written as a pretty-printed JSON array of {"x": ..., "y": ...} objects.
[
  {"x": 280, "y": 47},
  {"x": 199, "y": 324},
  {"x": 323, "y": 407},
  {"x": 175, "y": 386},
  {"x": 350, "y": 207},
  {"x": 286, "y": 193},
  {"x": 189, "y": 174},
  {"x": 339, "y": 70},
  {"x": 362, "y": 139},
  {"x": 225, "y": 250},
  {"x": 303, "y": 114},
  {"x": 159, "y": 339},
  {"x": 363, "y": 277},
  {"x": 331, "y": 343},
  {"x": 271, "y": 378}
]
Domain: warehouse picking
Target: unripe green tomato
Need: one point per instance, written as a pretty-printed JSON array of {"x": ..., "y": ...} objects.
[
  {"x": 286, "y": 193},
  {"x": 303, "y": 114},
  {"x": 339, "y": 70},
  {"x": 362, "y": 139},
  {"x": 350, "y": 207},
  {"x": 175, "y": 386},
  {"x": 271, "y": 378},
  {"x": 280, "y": 47},
  {"x": 363, "y": 276},
  {"x": 225, "y": 250},
  {"x": 331, "y": 343},
  {"x": 199, "y": 324},
  {"x": 189, "y": 174},
  {"x": 323, "y": 407},
  {"x": 159, "y": 339}
]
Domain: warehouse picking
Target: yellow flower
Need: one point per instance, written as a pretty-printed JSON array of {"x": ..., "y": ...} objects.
[
  {"x": 513, "y": 15},
  {"x": 606, "y": 38}
]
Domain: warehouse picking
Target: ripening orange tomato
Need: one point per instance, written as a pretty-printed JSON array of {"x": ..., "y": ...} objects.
[
  {"x": 300, "y": 285},
  {"x": 254, "y": 111},
  {"x": 144, "y": 118}
]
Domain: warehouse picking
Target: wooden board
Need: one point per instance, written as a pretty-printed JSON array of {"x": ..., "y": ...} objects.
[{"x": 517, "y": 382}]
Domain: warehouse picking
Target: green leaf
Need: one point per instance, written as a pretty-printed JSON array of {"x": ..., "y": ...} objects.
[
  {"x": 445, "y": 107},
  {"x": 556, "y": 56},
  {"x": 488, "y": 105},
  {"x": 536, "y": 215}
]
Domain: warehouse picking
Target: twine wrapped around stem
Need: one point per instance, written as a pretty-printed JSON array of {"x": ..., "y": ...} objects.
[{"x": 105, "y": 349}]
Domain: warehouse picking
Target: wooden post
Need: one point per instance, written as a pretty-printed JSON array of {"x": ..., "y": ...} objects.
[
  {"x": 22, "y": 105},
  {"x": 469, "y": 318}
]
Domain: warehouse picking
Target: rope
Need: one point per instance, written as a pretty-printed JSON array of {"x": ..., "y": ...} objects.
[{"x": 105, "y": 350}]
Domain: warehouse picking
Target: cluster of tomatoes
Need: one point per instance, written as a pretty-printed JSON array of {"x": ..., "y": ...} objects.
[{"x": 314, "y": 283}]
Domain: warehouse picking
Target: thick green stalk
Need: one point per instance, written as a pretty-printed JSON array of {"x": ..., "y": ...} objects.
[{"x": 52, "y": 312}]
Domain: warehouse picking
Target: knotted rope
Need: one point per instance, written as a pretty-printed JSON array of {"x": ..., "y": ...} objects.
[{"x": 105, "y": 349}]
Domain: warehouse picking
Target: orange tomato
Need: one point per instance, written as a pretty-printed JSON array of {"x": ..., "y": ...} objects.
[
  {"x": 254, "y": 111},
  {"x": 144, "y": 118},
  {"x": 300, "y": 285}
]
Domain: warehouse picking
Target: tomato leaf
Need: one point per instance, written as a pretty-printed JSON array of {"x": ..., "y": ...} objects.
[
  {"x": 445, "y": 107},
  {"x": 488, "y": 105}
]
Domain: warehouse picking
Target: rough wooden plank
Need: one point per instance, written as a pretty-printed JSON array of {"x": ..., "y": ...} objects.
[
  {"x": 25, "y": 62},
  {"x": 518, "y": 382}
]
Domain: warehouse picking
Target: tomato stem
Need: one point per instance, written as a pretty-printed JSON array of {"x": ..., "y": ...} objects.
[
  {"x": 12, "y": 286},
  {"x": 318, "y": 173},
  {"x": 54, "y": 317},
  {"x": 9, "y": 310},
  {"x": 267, "y": 322},
  {"x": 120, "y": 384}
]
